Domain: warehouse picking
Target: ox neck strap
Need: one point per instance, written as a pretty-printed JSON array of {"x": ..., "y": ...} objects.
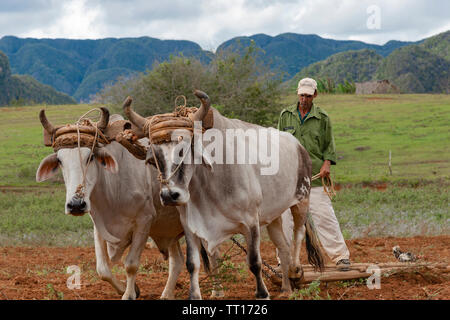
[
  {"x": 166, "y": 125},
  {"x": 80, "y": 192},
  {"x": 161, "y": 180}
]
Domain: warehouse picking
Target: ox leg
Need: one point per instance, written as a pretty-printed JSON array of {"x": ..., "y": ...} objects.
[
  {"x": 277, "y": 236},
  {"x": 299, "y": 213},
  {"x": 175, "y": 267},
  {"x": 104, "y": 264},
  {"x": 252, "y": 238},
  {"x": 193, "y": 247},
  {"x": 132, "y": 264}
]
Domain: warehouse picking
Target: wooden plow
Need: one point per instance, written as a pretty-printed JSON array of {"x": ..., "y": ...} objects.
[{"x": 361, "y": 270}]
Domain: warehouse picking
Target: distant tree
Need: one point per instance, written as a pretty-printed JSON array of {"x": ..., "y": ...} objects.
[
  {"x": 237, "y": 84},
  {"x": 25, "y": 90}
]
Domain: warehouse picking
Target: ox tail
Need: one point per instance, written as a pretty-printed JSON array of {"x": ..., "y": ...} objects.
[
  {"x": 315, "y": 256},
  {"x": 205, "y": 259}
]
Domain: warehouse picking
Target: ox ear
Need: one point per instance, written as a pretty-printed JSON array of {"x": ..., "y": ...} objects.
[
  {"x": 207, "y": 161},
  {"x": 150, "y": 158},
  {"x": 47, "y": 168},
  {"x": 107, "y": 160}
]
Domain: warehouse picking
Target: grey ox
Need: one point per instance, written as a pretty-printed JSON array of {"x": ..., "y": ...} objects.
[
  {"x": 216, "y": 201},
  {"x": 123, "y": 205}
]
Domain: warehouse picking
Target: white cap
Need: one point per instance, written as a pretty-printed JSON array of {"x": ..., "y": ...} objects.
[{"x": 307, "y": 85}]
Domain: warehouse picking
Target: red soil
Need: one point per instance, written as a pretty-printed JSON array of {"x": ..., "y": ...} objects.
[{"x": 40, "y": 273}]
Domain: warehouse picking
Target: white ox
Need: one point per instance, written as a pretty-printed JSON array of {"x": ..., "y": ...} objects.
[
  {"x": 120, "y": 200},
  {"x": 217, "y": 201}
]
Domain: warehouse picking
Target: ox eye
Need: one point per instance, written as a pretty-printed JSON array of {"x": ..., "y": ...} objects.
[
  {"x": 151, "y": 161},
  {"x": 89, "y": 159}
]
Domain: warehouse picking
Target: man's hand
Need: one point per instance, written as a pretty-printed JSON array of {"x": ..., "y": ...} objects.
[{"x": 325, "y": 170}]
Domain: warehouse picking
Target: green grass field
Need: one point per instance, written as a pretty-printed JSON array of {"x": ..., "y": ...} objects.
[
  {"x": 36, "y": 217},
  {"x": 415, "y": 128},
  {"x": 32, "y": 213},
  {"x": 21, "y": 140}
]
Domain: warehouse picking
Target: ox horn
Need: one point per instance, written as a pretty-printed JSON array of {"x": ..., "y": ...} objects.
[
  {"x": 104, "y": 119},
  {"x": 136, "y": 119},
  {"x": 203, "y": 111},
  {"x": 45, "y": 123}
]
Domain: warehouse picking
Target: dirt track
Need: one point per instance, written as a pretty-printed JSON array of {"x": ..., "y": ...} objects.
[{"x": 40, "y": 273}]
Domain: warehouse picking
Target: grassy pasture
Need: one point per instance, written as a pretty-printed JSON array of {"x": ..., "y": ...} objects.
[
  {"x": 32, "y": 213},
  {"x": 414, "y": 127},
  {"x": 21, "y": 140},
  {"x": 398, "y": 211},
  {"x": 36, "y": 217}
]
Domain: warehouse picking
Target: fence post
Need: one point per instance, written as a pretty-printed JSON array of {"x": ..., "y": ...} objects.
[{"x": 390, "y": 166}]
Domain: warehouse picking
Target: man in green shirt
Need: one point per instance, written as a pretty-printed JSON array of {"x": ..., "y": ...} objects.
[{"x": 312, "y": 127}]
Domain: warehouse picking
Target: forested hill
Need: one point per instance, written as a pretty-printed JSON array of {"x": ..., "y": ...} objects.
[
  {"x": 81, "y": 67},
  {"x": 291, "y": 52},
  {"x": 24, "y": 89},
  {"x": 418, "y": 68},
  {"x": 353, "y": 65}
]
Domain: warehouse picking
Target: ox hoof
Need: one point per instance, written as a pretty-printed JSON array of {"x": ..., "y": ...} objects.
[
  {"x": 295, "y": 283},
  {"x": 263, "y": 296},
  {"x": 137, "y": 294},
  {"x": 195, "y": 297},
  {"x": 137, "y": 290},
  {"x": 296, "y": 273},
  {"x": 284, "y": 294}
]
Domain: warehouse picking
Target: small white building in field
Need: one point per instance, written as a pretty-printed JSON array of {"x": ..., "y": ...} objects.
[{"x": 380, "y": 86}]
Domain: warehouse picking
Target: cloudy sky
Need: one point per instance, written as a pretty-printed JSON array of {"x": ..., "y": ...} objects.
[{"x": 210, "y": 22}]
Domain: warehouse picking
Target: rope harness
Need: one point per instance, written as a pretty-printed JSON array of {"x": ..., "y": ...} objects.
[
  {"x": 84, "y": 133},
  {"x": 159, "y": 129},
  {"x": 328, "y": 185},
  {"x": 264, "y": 272}
]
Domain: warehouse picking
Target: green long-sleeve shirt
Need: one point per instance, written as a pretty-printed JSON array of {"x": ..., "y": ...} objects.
[{"x": 315, "y": 134}]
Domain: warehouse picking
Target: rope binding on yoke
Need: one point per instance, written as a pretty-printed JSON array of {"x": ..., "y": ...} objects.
[
  {"x": 160, "y": 129},
  {"x": 83, "y": 133}
]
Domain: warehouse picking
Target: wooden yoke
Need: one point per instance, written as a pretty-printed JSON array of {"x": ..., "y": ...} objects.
[{"x": 130, "y": 141}]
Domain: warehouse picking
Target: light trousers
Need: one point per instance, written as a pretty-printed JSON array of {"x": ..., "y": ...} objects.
[{"x": 325, "y": 223}]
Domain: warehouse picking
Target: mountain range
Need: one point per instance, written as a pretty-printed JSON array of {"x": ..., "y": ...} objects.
[
  {"x": 422, "y": 67},
  {"x": 24, "y": 89},
  {"x": 80, "y": 68},
  {"x": 291, "y": 52}
]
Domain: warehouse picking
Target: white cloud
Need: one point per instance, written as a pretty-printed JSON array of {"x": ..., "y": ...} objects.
[
  {"x": 74, "y": 21},
  {"x": 209, "y": 23}
]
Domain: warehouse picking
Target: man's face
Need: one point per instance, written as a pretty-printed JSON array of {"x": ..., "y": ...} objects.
[{"x": 306, "y": 100}]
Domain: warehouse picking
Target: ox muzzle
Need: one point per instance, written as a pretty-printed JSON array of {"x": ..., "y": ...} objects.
[
  {"x": 170, "y": 198},
  {"x": 77, "y": 206},
  {"x": 174, "y": 196}
]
